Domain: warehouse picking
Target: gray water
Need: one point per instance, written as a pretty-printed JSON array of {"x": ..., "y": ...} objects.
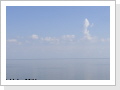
[{"x": 58, "y": 69}]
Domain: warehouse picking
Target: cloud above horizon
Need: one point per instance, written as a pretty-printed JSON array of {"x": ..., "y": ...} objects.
[
  {"x": 105, "y": 39},
  {"x": 86, "y": 32},
  {"x": 14, "y": 41},
  {"x": 34, "y": 36},
  {"x": 68, "y": 37},
  {"x": 50, "y": 39}
]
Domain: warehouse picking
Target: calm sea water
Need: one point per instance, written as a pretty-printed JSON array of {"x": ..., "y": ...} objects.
[{"x": 58, "y": 69}]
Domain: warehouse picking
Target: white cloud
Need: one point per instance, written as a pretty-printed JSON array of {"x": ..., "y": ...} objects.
[
  {"x": 86, "y": 31},
  {"x": 105, "y": 39},
  {"x": 12, "y": 40},
  {"x": 34, "y": 36},
  {"x": 57, "y": 40},
  {"x": 68, "y": 37},
  {"x": 86, "y": 23},
  {"x": 50, "y": 39}
]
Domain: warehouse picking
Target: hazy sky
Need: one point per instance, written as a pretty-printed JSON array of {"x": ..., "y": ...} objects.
[{"x": 58, "y": 32}]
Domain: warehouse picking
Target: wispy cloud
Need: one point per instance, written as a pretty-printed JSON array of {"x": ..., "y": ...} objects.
[
  {"x": 14, "y": 41},
  {"x": 86, "y": 32},
  {"x": 68, "y": 37},
  {"x": 56, "y": 40},
  {"x": 50, "y": 39},
  {"x": 34, "y": 36},
  {"x": 105, "y": 39}
]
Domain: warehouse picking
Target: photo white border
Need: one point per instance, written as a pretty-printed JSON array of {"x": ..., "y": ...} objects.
[{"x": 57, "y": 3}]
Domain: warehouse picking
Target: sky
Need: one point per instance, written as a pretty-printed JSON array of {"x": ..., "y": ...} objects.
[{"x": 34, "y": 32}]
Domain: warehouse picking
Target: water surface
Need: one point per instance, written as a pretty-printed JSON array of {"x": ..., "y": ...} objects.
[{"x": 59, "y": 69}]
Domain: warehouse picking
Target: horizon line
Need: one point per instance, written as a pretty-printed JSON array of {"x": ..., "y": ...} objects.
[{"x": 64, "y": 58}]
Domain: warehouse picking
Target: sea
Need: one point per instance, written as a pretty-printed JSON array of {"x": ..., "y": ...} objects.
[{"x": 58, "y": 69}]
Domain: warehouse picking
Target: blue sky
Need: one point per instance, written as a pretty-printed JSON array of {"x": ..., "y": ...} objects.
[{"x": 58, "y": 32}]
